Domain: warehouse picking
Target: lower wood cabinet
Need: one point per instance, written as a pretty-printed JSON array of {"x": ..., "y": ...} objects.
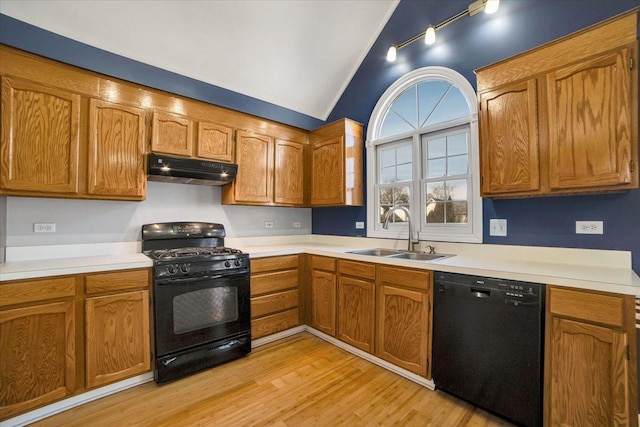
[
  {"x": 274, "y": 295},
  {"x": 356, "y": 304},
  {"x": 323, "y": 294},
  {"x": 403, "y": 323},
  {"x": 60, "y": 336},
  {"x": 590, "y": 377}
]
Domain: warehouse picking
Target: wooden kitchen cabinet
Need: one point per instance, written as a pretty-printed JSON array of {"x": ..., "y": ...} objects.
[
  {"x": 40, "y": 145},
  {"x": 38, "y": 342},
  {"x": 274, "y": 295},
  {"x": 323, "y": 294},
  {"x": 116, "y": 165},
  {"x": 590, "y": 368},
  {"x": 270, "y": 172},
  {"x": 356, "y": 304},
  {"x": 563, "y": 118},
  {"x": 336, "y": 152},
  {"x": 176, "y": 134},
  {"x": 117, "y": 326},
  {"x": 403, "y": 324}
]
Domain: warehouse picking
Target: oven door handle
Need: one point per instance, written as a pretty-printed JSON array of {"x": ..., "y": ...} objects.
[{"x": 177, "y": 280}]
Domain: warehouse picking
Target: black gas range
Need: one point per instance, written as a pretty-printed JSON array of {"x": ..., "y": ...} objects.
[{"x": 201, "y": 297}]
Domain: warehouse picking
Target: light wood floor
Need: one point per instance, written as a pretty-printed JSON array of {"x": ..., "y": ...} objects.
[{"x": 299, "y": 381}]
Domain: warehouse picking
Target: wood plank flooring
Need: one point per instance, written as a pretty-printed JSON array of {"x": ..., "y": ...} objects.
[{"x": 298, "y": 381}]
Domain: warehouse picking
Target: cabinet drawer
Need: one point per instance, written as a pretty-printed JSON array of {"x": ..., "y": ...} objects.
[
  {"x": 116, "y": 281},
  {"x": 259, "y": 265},
  {"x": 36, "y": 290},
  {"x": 606, "y": 309},
  {"x": 272, "y": 282},
  {"x": 419, "y": 279},
  {"x": 358, "y": 269},
  {"x": 273, "y": 303},
  {"x": 323, "y": 263},
  {"x": 275, "y": 323}
]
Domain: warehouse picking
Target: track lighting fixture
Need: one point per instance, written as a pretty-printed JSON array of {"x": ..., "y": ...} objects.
[{"x": 429, "y": 35}]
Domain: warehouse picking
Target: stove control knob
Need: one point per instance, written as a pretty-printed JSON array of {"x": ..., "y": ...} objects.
[
  {"x": 227, "y": 264},
  {"x": 237, "y": 263},
  {"x": 172, "y": 269},
  {"x": 185, "y": 268}
]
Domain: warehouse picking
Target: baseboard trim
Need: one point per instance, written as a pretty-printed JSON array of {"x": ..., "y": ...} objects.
[
  {"x": 277, "y": 336},
  {"x": 72, "y": 402},
  {"x": 373, "y": 359}
]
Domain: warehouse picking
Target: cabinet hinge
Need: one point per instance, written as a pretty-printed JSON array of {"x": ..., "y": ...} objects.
[
  {"x": 628, "y": 352},
  {"x": 631, "y": 63},
  {"x": 632, "y": 165}
]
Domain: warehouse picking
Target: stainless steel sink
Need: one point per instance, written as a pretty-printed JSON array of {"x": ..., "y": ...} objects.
[
  {"x": 419, "y": 256},
  {"x": 393, "y": 253},
  {"x": 377, "y": 252}
]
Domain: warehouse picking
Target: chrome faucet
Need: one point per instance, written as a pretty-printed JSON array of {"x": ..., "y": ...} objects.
[{"x": 385, "y": 225}]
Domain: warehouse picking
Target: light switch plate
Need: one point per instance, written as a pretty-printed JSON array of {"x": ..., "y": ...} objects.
[
  {"x": 359, "y": 225},
  {"x": 498, "y": 227},
  {"x": 268, "y": 224},
  {"x": 589, "y": 227}
]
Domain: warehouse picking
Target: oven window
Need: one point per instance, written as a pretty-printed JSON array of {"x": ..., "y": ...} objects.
[{"x": 204, "y": 308}]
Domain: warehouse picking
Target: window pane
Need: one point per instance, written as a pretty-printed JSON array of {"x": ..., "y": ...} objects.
[
  {"x": 436, "y": 148},
  {"x": 457, "y": 165},
  {"x": 435, "y": 191},
  {"x": 436, "y": 168},
  {"x": 456, "y": 190},
  {"x": 457, "y": 144},
  {"x": 456, "y": 212},
  {"x": 429, "y": 94},
  {"x": 393, "y": 125},
  {"x": 388, "y": 175},
  {"x": 453, "y": 106},
  {"x": 404, "y": 172},
  {"x": 404, "y": 154},
  {"x": 402, "y": 196},
  {"x": 406, "y": 107},
  {"x": 387, "y": 157},
  {"x": 386, "y": 195},
  {"x": 435, "y": 212}
]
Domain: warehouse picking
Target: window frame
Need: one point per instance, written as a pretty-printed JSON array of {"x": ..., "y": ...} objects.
[{"x": 436, "y": 232}]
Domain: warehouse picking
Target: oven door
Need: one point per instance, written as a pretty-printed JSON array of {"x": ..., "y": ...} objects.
[{"x": 194, "y": 311}]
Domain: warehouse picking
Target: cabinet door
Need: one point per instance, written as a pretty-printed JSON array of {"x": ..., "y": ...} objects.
[
  {"x": 327, "y": 172},
  {"x": 40, "y": 138},
  {"x": 117, "y": 331},
  {"x": 323, "y": 301},
  {"x": 254, "y": 155},
  {"x": 356, "y": 312},
  {"x": 403, "y": 328},
  {"x": 289, "y": 158},
  {"x": 509, "y": 139},
  {"x": 215, "y": 142},
  {"x": 172, "y": 134},
  {"x": 116, "y": 150},
  {"x": 38, "y": 360},
  {"x": 589, "y": 116},
  {"x": 589, "y": 375}
]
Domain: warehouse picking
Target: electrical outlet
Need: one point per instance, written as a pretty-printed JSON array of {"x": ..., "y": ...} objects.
[
  {"x": 268, "y": 224},
  {"x": 42, "y": 227},
  {"x": 498, "y": 227},
  {"x": 360, "y": 225},
  {"x": 297, "y": 224},
  {"x": 589, "y": 227}
]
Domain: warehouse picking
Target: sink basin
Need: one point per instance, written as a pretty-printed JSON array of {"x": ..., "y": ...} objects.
[
  {"x": 377, "y": 252},
  {"x": 393, "y": 253},
  {"x": 418, "y": 256}
]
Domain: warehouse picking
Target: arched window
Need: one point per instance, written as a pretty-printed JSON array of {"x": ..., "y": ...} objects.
[{"x": 422, "y": 153}]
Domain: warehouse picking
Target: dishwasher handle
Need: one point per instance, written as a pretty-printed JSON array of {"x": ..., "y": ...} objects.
[{"x": 480, "y": 293}]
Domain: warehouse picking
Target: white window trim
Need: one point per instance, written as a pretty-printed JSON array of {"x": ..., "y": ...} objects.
[{"x": 399, "y": 231}]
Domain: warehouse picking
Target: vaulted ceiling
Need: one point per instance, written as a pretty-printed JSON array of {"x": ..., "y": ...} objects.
[{"x": 298, "y": 54}]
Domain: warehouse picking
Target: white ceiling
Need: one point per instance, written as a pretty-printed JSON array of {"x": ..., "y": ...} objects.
[{"x": 298, "y": 54}]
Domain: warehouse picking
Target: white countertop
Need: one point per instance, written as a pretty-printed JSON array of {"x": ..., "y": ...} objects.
[{"x": 582, "y": 270}]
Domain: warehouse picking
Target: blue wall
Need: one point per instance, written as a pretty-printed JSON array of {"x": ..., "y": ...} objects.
[
  {"x": 32, "y": 39},
  {"x": 465, "y": 45}
]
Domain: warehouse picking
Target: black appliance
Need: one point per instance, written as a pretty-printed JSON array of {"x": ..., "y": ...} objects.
[
  {"x": 201, "y": 298},
  {"x": 488, "y": 339},
  {"x": 189, "y": 171}
]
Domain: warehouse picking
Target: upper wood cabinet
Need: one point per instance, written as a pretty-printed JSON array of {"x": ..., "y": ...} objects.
[
  {"x": 172, "y": 134},
  {"x": 270, "y": 172},
  {"x": 215, "y": 142},
  {"x": 116, "y": 150},
  {"x": 336, "y": 152},
  {"x": 590, "y": 369},
  {"x": 40, "y": 145},
  {"x": 563, "y": 118}
]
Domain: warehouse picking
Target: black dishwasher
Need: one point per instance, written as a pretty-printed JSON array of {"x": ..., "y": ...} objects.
[{"x": 488, "y": 338}]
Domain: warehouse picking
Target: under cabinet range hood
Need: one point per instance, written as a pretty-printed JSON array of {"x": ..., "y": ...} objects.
[{"x": 189, "y": 171}]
